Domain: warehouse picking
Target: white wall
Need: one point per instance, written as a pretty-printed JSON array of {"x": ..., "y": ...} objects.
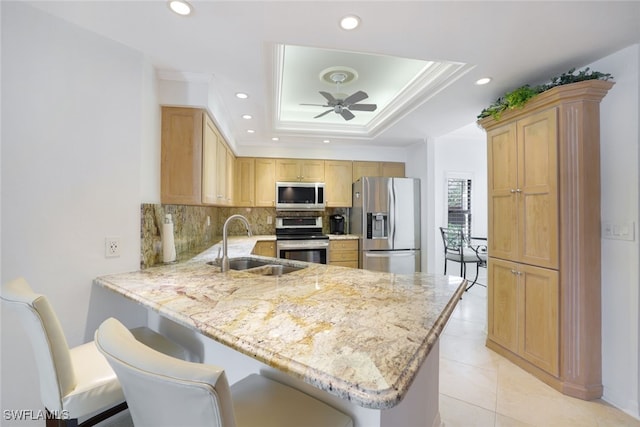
[
  {"x": 72, "y": 140},
  {"x": 462, "y": 152},
  {"x": 620, "y": 134}
]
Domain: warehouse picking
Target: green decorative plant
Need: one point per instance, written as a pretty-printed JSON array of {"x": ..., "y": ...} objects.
[{"x": 519, "y": 97}]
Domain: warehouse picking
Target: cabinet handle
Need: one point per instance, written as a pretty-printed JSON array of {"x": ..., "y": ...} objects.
[
  {"x": 512, "y": 191},
  {"x": 518, "y": 190},
  {"x": 514, "y": 272}
]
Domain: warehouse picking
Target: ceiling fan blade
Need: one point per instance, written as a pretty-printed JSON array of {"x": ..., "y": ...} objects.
[
  {"x": 330, "y": 98},
  {"x": 356, "y": 97},
  {"x": 322, "y": 114},
  {"x": 363, "y": 107},
  {"x": 346, "y": 114},
  {"x": 318, "y": 105}
]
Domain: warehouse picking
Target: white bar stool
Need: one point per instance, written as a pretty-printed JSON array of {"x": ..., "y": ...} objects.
[
  {"x": 164, "y": 391},
  {"x": 78, "y": 382}
]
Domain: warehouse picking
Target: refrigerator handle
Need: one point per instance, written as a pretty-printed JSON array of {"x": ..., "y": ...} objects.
[{"x": 392, "y": 212}]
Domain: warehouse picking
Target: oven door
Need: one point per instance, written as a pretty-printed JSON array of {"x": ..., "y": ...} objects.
[{"x": 304, "y": 250}]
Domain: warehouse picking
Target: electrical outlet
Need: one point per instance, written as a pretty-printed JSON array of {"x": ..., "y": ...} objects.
[
  {"x": 618, "y": 230},
  {"x": 112, "y": 247}
]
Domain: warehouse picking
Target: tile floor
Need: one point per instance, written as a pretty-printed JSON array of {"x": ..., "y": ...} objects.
[{"x": 480, "y": 388}]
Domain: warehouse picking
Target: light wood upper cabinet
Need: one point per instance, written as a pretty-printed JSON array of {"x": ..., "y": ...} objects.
[
  {"x": 265, "y": 182},
  {"x": 231, "y": 168},
  {"x": 392, "y": 169},
  {"x": 181, "y": 156},
  {"x": 210, "y": 163},
  {"x": 304, "y": 170},
  {"x": 338, "y": 186},
  {"x": 194, "y": 160},
  {"x": 361, "y": 169},
  {"x": 523, "y": 198},
  {"x": 388, "y": 169},
  {"x": 245, "y": 180}
]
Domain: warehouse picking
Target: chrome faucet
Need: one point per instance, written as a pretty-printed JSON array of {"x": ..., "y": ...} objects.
[{"x": 225, "y": 259}]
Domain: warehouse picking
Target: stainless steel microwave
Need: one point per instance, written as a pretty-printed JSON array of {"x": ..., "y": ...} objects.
[{"x": 300, "y": 196}]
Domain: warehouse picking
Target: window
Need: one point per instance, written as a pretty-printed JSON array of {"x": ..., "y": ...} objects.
[{"x": 459, "y": 205}]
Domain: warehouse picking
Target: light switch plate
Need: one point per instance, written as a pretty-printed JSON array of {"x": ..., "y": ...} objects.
[{"x": 618, "y": 230}]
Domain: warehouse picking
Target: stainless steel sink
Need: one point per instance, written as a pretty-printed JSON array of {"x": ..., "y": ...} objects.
[{"x": 260, "y": 266}]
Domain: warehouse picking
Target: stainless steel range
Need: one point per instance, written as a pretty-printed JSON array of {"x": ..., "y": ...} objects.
[{"x": 301, "y": 238}]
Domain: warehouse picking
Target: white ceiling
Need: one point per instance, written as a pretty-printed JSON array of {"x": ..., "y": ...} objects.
[{"x": 237, "y": 44}]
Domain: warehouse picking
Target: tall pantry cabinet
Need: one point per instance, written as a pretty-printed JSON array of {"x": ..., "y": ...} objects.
[{"x": 544, "y": 237}]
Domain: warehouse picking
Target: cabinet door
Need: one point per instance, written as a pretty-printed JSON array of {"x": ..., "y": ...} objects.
[
  {"x": 392, "y": 169},
  {"x": 231, "y": 167},
  {"x": 538, "y": 317},
  {"x": 312, "y": 170},
  {"x": 361, "y": 169},
  {"x": 502, "y": 180},
  {"x": 221, "y": 173},
  {"x": 265, "y": 182},
  {"x": 537, "y": 192},
  {"x": 288, "y": 170},
  {"x": 338, "y": 184},
  {"x": 181, "y": 156},
  {"x": 502, "y": 297},
  {"x": 265, "y": 248},
  {"x": 209, "y": 162},
  {"x": 244, "y": 181}
]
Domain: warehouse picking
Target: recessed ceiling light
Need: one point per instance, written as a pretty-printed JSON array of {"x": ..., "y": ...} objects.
[
  {"x": 275, "y": 138},
  {"x": 180, "y": 7},
  {"x": 247, "y": 116},
  {"x": 483, "y": 81},
  {"x": 326, "y": 141},
  {"x": 349, "y": 22},
  {"x": 251, "y": 131},
  {"x": 242, "y": 95}
]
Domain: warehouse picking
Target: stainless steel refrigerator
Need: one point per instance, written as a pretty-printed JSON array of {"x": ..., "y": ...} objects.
[{"x": 386, "y": 216}]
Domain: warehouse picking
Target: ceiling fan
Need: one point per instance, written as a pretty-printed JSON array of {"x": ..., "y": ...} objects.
[{"x": 343, "y": 106}]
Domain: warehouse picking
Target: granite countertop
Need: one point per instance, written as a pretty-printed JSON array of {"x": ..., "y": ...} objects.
[
  {"x": 343, "y": 237},
  {"x": 357, "y": 334}
]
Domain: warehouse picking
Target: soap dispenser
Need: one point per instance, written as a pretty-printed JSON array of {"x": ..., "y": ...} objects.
[{"x": 168, "y": 243}]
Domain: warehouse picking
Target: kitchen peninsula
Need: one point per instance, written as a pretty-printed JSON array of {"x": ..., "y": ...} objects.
[{"x": 367, "y": 338}]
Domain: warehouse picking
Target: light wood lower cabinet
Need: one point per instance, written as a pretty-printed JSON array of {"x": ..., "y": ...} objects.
[
  {"x": 343, "y": 252},
  {"x": 265, "y": 248},
  {"x": 523, "y": 312}
]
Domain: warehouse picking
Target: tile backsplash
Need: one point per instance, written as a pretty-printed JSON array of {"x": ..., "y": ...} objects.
[{"x": 198, "y": 227}]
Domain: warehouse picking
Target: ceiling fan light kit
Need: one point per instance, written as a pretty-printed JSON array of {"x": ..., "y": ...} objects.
[{"x": 340, "y": 103}]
